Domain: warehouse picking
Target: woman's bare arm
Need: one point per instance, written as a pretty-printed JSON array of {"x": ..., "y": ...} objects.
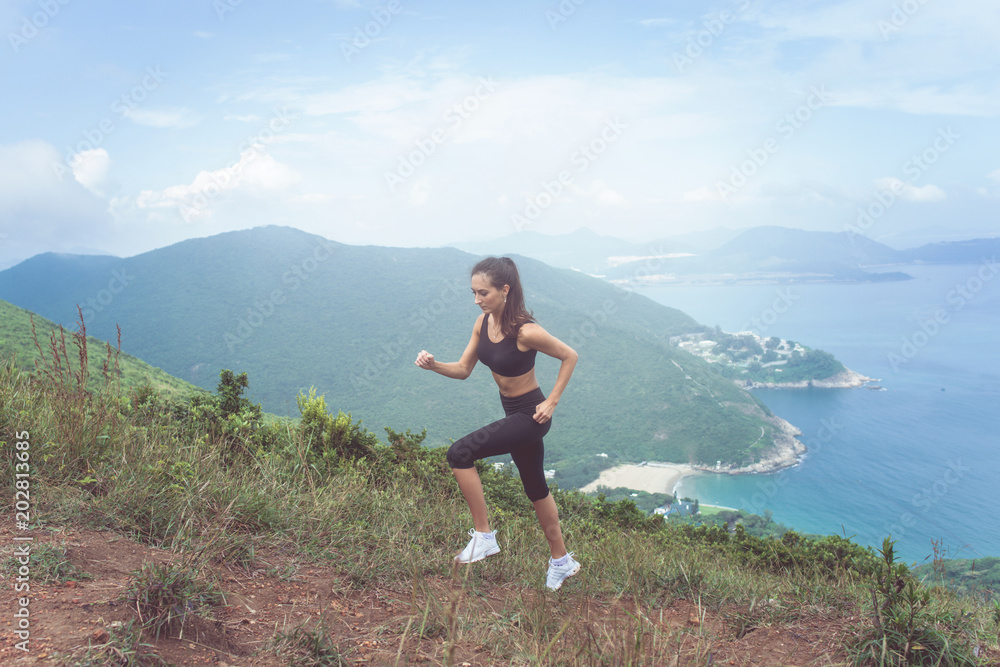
[
  {"x": 535, "y": 337},
  {"x": 460, "y": 369}
]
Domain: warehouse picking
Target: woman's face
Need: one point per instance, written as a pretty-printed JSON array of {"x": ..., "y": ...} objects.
[{"x": 488, "y": 297}]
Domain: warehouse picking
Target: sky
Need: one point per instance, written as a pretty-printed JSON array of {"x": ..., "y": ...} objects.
[{"x": 131, "y": 126}]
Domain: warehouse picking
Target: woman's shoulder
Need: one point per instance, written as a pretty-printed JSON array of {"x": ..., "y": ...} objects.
[{"x": 529, "y": 328}]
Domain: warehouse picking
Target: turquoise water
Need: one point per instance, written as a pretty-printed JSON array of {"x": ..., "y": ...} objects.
[{"x": 919, "y": 461}]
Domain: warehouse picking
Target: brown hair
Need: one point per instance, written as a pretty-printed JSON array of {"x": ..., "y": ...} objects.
[{"x": 502, "y": 271}]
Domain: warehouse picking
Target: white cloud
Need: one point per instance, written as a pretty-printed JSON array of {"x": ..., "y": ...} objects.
[
  {"x": 41, "y": 208},
  {"x": 310, "y": 198},
  {"x": 256, "y": 171},
  {"x": 909, "y": 192},
  {"x": 848, "y": 20},
  {"x": 201, "y": 34},
  {"x": 386, "y": 94},
  {"x": 652, "y": 23},
  {"x": 703, "y": 193},
  {"x": 604, "y": 195},
  {"x": 273, "y": 57},
  {"x": 247, "y": 118},
  {"x": 163, "y": 118},
  {"x": 90, "y": 168},
  {"x": 992, "y": 187},
  {"x": 420, "y": 192}
]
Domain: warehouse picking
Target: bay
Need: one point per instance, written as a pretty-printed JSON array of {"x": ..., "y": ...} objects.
[{"x": 919, "y": 461}]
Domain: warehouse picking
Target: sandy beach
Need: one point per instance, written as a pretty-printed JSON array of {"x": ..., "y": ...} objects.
[{"x": 655, "y": 478}]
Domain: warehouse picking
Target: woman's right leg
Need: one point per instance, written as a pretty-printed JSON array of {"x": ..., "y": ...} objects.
[
  {"x": 462, "y": 457},
  {"x": 504, "y": 436}
]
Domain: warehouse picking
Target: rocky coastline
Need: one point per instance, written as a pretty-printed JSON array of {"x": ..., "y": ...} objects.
[
  {"x": 787, "y": 452},
  {"x": 846, "y": 379},
  {"x": 657, "y": 477}
]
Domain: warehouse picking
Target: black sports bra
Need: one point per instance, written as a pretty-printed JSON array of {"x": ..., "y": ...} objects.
[{"x": 503, "y": 358}]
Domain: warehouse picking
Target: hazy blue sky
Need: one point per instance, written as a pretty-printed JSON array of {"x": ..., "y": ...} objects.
[{"x": 131, "y": 125}]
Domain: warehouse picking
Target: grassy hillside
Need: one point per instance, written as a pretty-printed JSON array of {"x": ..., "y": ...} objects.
[
  {"x": 294, "y": 310},
  {"x": 979, "y": 576},
  {"x": 250, "y": 513},
  {"x": 18, "y": 344}
]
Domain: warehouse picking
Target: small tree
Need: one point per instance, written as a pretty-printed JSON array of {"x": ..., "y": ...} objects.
[
  {"x": 327, "y": 437},
  {"x": 232, "y": 420}
]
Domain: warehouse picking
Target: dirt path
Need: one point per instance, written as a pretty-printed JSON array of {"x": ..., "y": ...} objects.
[{"x": 373, "y": 627}]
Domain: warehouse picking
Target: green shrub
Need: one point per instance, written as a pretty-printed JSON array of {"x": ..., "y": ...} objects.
[
  {"x": 231, "y": 420},
  {"x": 328, "y": 438},
  {"x": 164, "y": 594},
  {"x": 904, "y": 630},
  {"x": 407, "y": 461}
]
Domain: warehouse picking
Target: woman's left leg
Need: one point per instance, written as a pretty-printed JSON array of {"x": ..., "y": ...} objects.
[
  {"x": 472, "y": 488},
  {"x": 562, "y": 565},
  {"x": 548, "y": 517},
  {"x": 530, "y": 461}
]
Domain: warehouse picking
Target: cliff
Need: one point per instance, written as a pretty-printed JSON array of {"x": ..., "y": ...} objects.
[{"x": 846, "y": 379}]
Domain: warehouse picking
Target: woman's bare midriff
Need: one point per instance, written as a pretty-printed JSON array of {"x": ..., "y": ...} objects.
[{"x": 516, "y": 386}]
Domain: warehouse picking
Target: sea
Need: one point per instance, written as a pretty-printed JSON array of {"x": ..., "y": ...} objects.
[{"x": 917, "y": 460}]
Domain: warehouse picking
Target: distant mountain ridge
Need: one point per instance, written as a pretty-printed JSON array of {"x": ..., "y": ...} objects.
[
  {"x": 295, "y": 310},
  {"x": 784, "y": 254},
  {"x": 972, "y": 251},
  {"x": 593, "y": 253},
  {"x": 767, "y": 253}
]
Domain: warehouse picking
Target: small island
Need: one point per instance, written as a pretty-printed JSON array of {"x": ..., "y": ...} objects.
[{"x": 754, "y": 362}]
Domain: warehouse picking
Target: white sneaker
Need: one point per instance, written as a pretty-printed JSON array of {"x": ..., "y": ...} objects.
[
  {"x": 478, "y": 548},
  {"x": 560, "y": 573}
]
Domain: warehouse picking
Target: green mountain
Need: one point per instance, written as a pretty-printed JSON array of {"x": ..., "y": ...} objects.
[
  {"x": 295, "y": 310},
  {"x": 18, "y": 343}
]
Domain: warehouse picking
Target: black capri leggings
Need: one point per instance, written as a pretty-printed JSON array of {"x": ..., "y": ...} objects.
[{"x": 517, "y": 434}]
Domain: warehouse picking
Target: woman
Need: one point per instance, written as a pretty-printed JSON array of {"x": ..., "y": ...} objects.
[{"x": 505, "y": 338}]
